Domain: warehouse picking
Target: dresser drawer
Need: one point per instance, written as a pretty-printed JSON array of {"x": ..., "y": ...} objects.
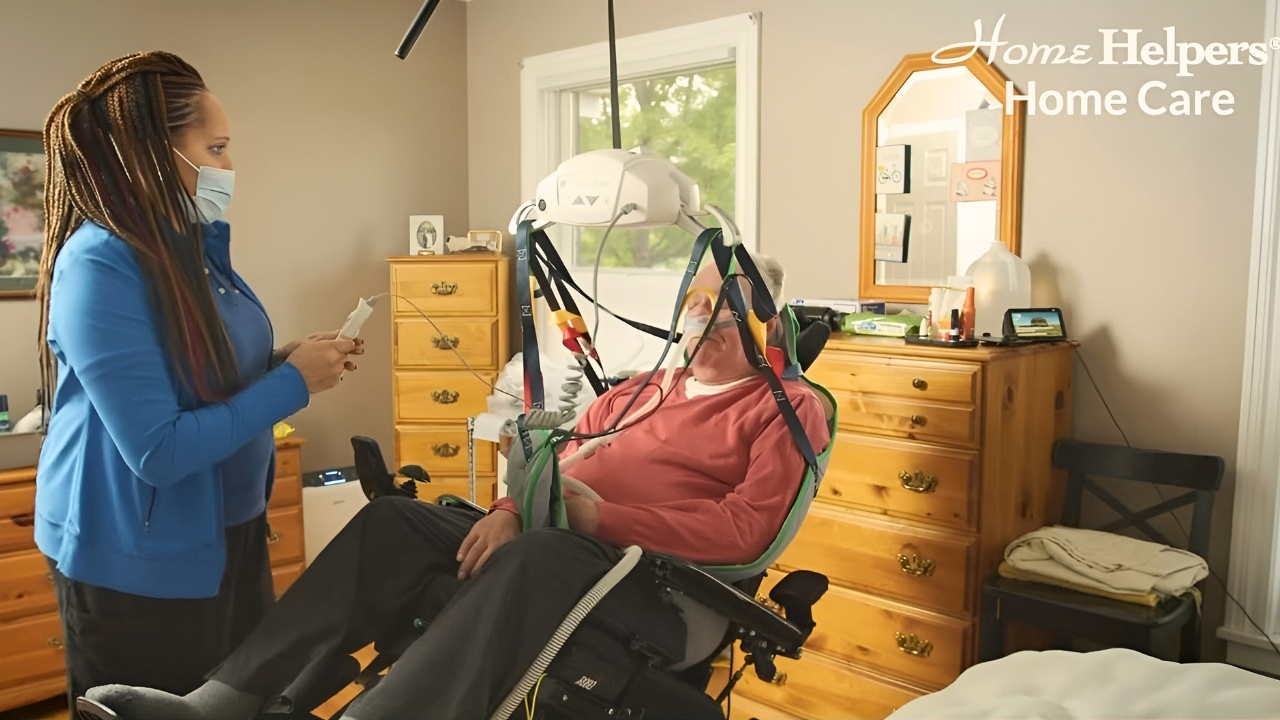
[
  {"x": 283, "y": 576},
  {"x": 916, "y": 420},
  {"x": 26, "y": 586},
  {"x": 32, "y": 650},
  {"x": 418, "y": 343},
  {"x": 288, "y": 461},
  {"x": 441, "y": 449},
  {"x": 428, "y": 396},
  {"x": 445, "y": 288},
  {"x": 459, "y": 486},
  {"x": 932, "y": 568},
  {"x": 904, "y": 479},
  {"x": 821, "y": 687},
  {"x": 285, "y": 540},
  {"x": 17, "y": 516},
  {"x": 286, "y": 491},
  {"x": 914, "y": 379},
  {"x": 904, "y": 640}
]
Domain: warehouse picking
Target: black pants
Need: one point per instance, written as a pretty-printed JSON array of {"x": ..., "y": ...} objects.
[
  {"x": 396, "y": 561},
  {"x": 114, "y": 637}
]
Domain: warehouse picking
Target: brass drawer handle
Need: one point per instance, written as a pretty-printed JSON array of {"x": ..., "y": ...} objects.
[
  {"x": 444, "y": 288},
  {"x": 920, "y": 383},
  {"x": 445, "y": 450},
  {"x": 775, "y": 607},
  {"x": 918, "y": 481},
  {"x": 273, "y": 538},
  {"x": 445, "y": 397},
  {"x": 912, "y": 645},
  {"x": 779, "y": 678},
  {"x": 55, "y": 642},
  {"x": 444, "y": 342},
  {"x": 916, "y": 565},
  {"x": 24, "y": 519},
  {"x": 919, "y": 421}
]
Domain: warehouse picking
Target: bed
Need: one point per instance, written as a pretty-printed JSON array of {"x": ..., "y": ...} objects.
[{"x": 1059, "y": 685}]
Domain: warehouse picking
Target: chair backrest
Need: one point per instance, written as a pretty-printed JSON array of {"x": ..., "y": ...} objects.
[{"x": 1199, "y": 476}]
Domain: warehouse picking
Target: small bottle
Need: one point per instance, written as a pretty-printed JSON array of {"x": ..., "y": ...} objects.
[
  {"x": 4, "y": 413},
  {"x": 967, "y": 312},
  {"x": 953, "y": 333}
]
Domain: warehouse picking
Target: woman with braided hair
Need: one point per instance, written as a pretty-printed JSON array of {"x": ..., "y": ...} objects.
[{"x": 159, "y": 457}]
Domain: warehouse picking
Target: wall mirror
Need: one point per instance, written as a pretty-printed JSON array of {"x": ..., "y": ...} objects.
[{"x": 941, "y": 174}]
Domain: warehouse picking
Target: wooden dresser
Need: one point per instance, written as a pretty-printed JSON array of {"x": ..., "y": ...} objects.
[
  {"x": 467, "y": 296},
  {"x": 31, "y": 661},
  {"x": 942, "y": 458}
]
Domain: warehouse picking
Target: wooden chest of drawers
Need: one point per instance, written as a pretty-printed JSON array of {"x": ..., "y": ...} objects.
[
  {"x": 31, "y": 661},
  {"x": 448, "y": 309},
  {"x": 941, "y": 459},
  {"x": 284, "y": 515}
]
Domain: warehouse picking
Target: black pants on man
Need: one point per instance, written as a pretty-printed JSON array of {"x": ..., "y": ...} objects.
[
  {"x": 171, "y": 645},
  {"x": 396, "y": 561}
]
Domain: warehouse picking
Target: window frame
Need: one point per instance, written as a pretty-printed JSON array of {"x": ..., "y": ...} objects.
[{"x": 544, "y": 80}]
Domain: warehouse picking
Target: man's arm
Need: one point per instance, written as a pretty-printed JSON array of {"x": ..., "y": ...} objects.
[{"x": 735, "y": 529}]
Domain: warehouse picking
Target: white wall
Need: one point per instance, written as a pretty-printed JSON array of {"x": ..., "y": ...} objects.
[
  {"x": 336, "y": 142},
  {"x": 1137, "y": 226}
]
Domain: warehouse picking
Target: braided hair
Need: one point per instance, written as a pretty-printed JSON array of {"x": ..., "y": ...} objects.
[{"x": 108, "y": 149}]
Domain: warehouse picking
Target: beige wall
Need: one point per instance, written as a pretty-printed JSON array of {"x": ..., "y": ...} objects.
[
  {"x": 1137, "y": 226},
  {"x": 336, "y": 142}
]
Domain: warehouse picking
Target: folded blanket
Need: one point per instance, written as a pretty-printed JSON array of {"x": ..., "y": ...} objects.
[
  {"x": 1009, "y": 571},
  {"x": 1106, "y": 562}
]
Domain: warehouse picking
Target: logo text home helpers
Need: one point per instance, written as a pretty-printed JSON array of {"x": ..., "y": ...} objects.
[{"x": 1118, "y": 47}]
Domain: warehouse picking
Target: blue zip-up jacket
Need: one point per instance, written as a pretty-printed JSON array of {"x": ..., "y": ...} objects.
[{"x": 128, "y": 493}]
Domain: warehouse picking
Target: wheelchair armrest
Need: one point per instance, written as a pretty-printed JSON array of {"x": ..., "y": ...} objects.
[
  {"x": 457, "y": 502},
  {"x": 741, "y": 609}
]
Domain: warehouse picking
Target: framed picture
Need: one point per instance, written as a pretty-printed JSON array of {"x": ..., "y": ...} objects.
[
  {"x": 892, "y": 232},
  {"x": 490, "y": 240},
  {"x": 975, "y": 181},
  {"x": 22, "y": 177},
  {"x": 426, "y": 235},
  {"x": 893, "y": 169}
]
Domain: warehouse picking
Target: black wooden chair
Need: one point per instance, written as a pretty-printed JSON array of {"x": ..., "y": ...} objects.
[{"x": 1171, "y": 629}]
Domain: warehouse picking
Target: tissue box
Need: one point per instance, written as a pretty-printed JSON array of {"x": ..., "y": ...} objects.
[
  {"x": 844, "y": 306},
  {"x": 883, "y": 325}
]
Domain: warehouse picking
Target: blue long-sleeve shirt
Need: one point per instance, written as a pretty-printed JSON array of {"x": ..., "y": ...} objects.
[{"x": 129, "y": 492}]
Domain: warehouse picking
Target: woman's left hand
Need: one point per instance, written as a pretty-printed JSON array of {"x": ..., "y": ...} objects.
[{"x": 283, "y": 353}]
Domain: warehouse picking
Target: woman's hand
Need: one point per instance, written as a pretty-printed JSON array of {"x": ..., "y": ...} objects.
[
  {"x": 493, "y": 531},
  {"x": 322, "y": 362},
  {"x": 282, "y": 354}
]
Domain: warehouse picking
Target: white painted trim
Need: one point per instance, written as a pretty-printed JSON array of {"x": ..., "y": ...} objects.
[
  {"x": 1254, "y": 577},
  {"x": 735, "y": 38}
]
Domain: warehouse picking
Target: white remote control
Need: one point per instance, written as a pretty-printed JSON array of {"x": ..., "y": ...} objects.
[{"x": 355, "y": 320}]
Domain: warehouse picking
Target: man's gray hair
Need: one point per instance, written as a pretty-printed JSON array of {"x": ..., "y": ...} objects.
[{"x": 774, "y": 277}]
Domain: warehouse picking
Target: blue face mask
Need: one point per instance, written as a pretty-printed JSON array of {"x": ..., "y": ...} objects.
[{"x": 213, "y": 190}]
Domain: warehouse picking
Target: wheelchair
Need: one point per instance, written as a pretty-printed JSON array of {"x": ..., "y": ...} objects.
[{"x": 598, "y": 674}]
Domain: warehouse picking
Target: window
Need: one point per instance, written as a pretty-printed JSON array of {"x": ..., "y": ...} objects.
[{"x": 690, "y": 94}]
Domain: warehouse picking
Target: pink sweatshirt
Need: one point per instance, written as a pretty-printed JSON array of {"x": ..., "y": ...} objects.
[{"x": 708, "y": 478}]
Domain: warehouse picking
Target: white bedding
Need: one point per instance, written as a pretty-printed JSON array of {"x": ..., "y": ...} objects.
[{"x": 1058, "y": 685}]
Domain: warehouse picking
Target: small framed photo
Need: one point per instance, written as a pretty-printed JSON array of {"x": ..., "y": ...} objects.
[
  {"x": 893, "y": 169},
  {"x": 490, "y": 240},
  {"x": 426, "y": 235},
  {"x": 22, "y": 180},
  {"x": 892, "y": 232},
  {"x": 975, "y": 181}
]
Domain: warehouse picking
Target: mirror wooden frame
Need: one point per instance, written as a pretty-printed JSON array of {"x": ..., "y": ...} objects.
[{"x": 1011, "y": 141}]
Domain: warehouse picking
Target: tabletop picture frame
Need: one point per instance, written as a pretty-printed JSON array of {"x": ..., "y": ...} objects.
[{"x": 22, "y": 182}]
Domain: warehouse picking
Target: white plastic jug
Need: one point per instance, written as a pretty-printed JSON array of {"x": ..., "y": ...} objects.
[{"x": 1001, "y": 280}]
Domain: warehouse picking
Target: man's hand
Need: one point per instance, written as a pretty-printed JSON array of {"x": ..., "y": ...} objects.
[
  {"x": 584, "y": 513},
  {"x": 492, "y": 532}
]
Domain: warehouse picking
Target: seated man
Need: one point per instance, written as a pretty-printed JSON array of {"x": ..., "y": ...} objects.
[{"x": 708, "y": 476}]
